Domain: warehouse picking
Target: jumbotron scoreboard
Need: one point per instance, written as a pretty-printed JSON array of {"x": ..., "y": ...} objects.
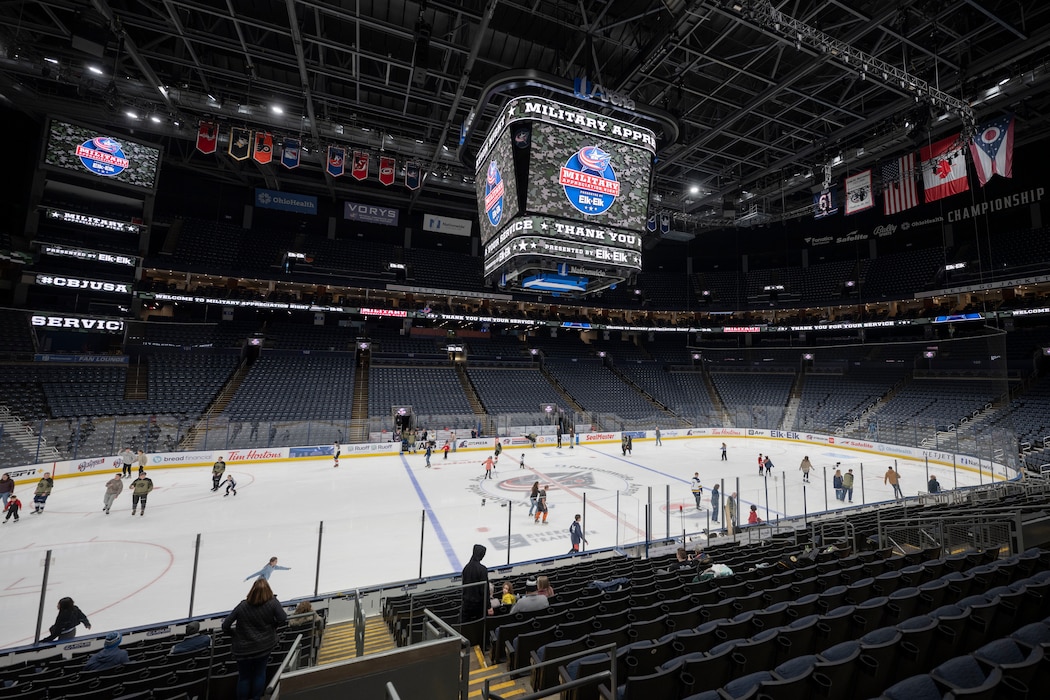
[{"x": 563, "y": 196}]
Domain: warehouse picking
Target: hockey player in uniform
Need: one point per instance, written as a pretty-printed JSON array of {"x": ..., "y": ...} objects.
[
  {"x": 43, "y": 490},
  {"x": 217, "y": 470},
  {"x": 697, "y": 488},
  {"x": 140, "y": 489}
]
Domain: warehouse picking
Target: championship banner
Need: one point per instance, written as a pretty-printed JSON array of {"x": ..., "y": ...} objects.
[
  {"x": 824, "y": 204},
  {"x": 336, "y": 162},
  {"x": 240, "y": 143},
  {"x": 858, "y": 193},
  {"x": 665, "y": 222},
  {"x": 360, "y": 169},
  {"x": 263, "y": 151},
  {"x": 290, "y": 153},
  {"x": 412, "y": 177},
  {"x": 386, "y": 170},
  {"x": 207, "y": 137},
  {"x": 650, "y": 224}
]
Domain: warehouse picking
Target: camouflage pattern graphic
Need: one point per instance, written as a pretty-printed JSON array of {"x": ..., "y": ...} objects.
[
  {"x": 61, "y": 152},
  {"x": 501, "y": 154},
  {"x": 553, "y": 146}
]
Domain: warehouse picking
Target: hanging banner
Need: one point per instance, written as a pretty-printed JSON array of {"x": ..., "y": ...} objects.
[
  {"x": 386, "y": 170},
  {"x": 412, "y": 176},
  {"x": 858, "y": 193},
  {"x": 207, "y": 137},
  {"x": 290, "y": 153},
  {"x": 824, "y": 204},
  {"x": 263, "y": 151},
  {"x": 240, "y": 143},
  {"x": 992, "y": 148},
  {"x": 336, "y": 161},
  {"x": 650, "y": 224},
  {"x": 446, "y": 224},
  {"x": 360, "y": 169},
  {"x": 665, "y": 222},
  {"x": 944, "y": 168}
]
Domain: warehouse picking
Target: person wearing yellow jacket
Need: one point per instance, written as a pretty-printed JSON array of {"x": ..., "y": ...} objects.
[{"x": 140, "y": 489}]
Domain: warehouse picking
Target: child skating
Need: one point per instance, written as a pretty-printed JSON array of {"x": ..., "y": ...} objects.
[
  {"x": 13, "y": 506},
  {"x": 231, "y": 485},
  {"x": 522, "y": 464}
]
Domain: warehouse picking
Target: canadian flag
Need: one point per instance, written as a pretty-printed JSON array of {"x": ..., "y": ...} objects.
[{"x": 944, "y": 168}]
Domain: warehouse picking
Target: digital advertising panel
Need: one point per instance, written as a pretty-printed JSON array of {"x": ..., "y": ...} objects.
[
  {"x": 90, "y": 152},
  {"x": 497, "y": 186}
]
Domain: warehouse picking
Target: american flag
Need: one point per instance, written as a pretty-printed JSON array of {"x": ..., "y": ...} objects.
[{"x": 899, "y": 191}]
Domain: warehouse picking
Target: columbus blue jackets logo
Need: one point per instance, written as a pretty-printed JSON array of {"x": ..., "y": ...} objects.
[
  {"x": 589, "y": 180},
  {"x": 103, "y": 156},
  {"x": 494, "y": 194}
]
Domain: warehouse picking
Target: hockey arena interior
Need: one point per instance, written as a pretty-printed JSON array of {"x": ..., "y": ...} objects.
[{"x": 607, "y": 349}]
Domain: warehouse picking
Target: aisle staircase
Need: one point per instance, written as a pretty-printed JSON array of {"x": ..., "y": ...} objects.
[
  {"x": 339, "y": 643},
  {"x": 359, "y": 408},
  {"x": 194, "y": 436},
  {"x": 136, "y": 382}
]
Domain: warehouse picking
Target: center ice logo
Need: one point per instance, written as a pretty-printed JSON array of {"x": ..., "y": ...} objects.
[
  {"x": 494, "y": 194},
  {"x": 103, "y": 156},
  {"x": 589, "y": 180}
]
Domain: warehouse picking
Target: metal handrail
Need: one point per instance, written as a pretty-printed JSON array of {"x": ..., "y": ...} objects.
[{"x": 271, "y": 687}]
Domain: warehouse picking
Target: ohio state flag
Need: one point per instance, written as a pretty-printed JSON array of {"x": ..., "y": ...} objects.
[
  {"x": 944, "y": 169},
  {"x": 993, "y": 149},
  {"x": 386, "y": 170},
  {"x": 207, "y": 137},
  {"x": 240, "y": 143},
  {"x": 336, "y": 163},
  {"x": 360, "y": 168},
  {"x": 263, "y": 151}
]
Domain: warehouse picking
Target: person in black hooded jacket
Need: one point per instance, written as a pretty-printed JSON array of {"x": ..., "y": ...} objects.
[
  {"x": 475, "y": 598},
  {"x": 65, "y": 627}
]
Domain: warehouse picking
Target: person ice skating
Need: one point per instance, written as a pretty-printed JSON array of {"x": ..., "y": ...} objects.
[
  {"x": 231, "y": 485},
  {"x": 715, "y": 502},
  {"x": 475, "y": 576},
  {"x": 488, "y": 467},
  {"x": 933, "y": 486},
  {"x": 623, "y": 445},
  {"x": 761, "y": 464},
  {"x": 252, "y": 626},
  {"x": 217, "y": 470},
  {"x": 724, "y": 457},
  {"x": 7, "y": 487},
  {"x": 12, "y": 507},
  {"x": 893, "y": 479},
  {"x": 140, "y": 459},
  {"x": 521, "y": 465},
  {"x": 541, "y": 505},
  {"x": 114, "y": 487},
  {"x": 559, "y": 436},
  {"x": 43, "y": 490},
  {"x": 336, "y": 451},
  {"x": 140, "y": 489},
  {"x": 697, "y": 488},
  {"x": 65, "y": 627},
  {"x": 445, "y": 448},
  {"x": 658, "y": 440},
  {"x": 266, "y": 571},
  {"x": 111, "y": 655},
  {"x": 534, "y": 497},
  {"x": 499, "y": 451},
  {"x": 752, "y": 518},
  {"x": 768, "y": 464},
  {"x": 429, "y": 451},
  {"x": 805, "y": 468},
  {"x": 630, "y": 445},
  {"x": 127, "y": 458},
  {"x": 576, "y": 535},
  {"x": 847, "y": 485},
  {"x": 572, "y": 437},
  {"x": 836, "y": 483},
  {"x": 452, "y": 440}
]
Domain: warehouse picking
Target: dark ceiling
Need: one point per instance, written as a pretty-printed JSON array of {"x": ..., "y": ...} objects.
[{"x": 761, "y": 112}]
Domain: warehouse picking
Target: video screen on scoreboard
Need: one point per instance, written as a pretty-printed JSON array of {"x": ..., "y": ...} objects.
[
  {"x": 91, "y": 152},
  {"x": 496, "y": 187},
  {"x": 579, "y": 175}
]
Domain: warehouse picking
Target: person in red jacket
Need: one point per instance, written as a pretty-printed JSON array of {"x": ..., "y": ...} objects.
[
  {"x": 13, "y": 506},
  {"x": 753, "y": 518}
]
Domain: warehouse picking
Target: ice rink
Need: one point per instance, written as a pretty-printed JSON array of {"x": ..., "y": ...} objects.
[{"x": 371, "y": 517}]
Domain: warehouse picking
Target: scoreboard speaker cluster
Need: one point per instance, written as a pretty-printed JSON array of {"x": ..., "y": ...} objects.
[{"x": 563, "y": 196}]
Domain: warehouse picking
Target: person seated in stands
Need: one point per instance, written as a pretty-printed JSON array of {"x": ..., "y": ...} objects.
[
  {"x": 110, "y": 656},
  {"x": 193, "y": 641},
  {"x": 683, "y": 558},
  {"x": 305, "y": 615},
  {"x": 532, "y": 601},
  {"x": 506, "y": 599},
  {"x": 543, "y": 586}
]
